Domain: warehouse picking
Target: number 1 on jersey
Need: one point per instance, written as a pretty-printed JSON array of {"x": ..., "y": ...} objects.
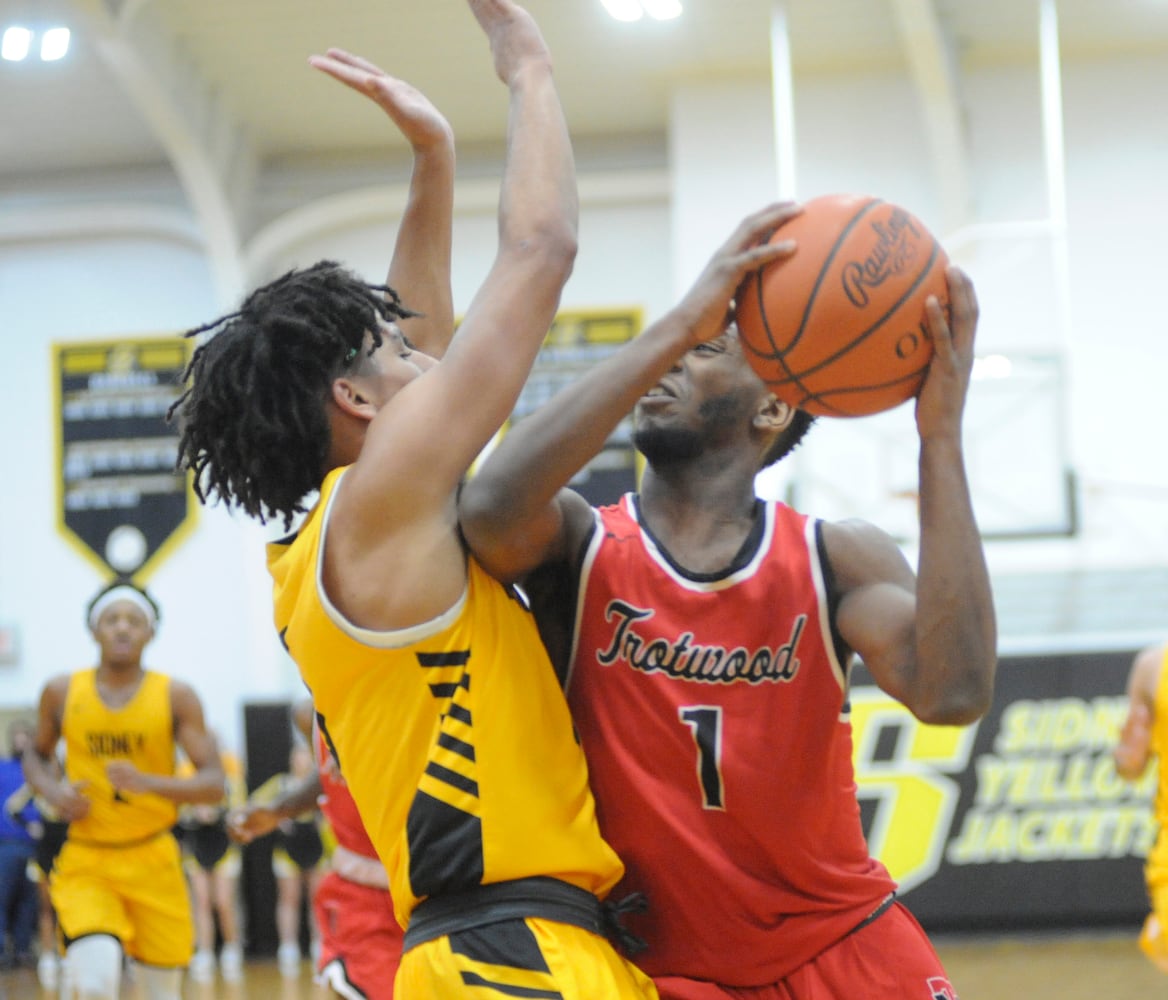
[{"x": 705, "y": 723}]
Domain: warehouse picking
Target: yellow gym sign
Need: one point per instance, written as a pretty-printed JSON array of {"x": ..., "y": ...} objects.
[{"x": 120, "y": 500}]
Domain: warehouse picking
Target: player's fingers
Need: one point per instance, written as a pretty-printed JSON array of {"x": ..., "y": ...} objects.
[
  {"x": 352, "y": 76},
  {"x": 762, "y": 225},
  {"x": 343, "y": 56},
  {"x": 963, "y": 307},
  {"x": 764, "y": 253},
  {"x": 939, "y": 330}
]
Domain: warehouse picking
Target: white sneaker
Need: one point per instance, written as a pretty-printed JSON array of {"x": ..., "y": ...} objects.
[
  {"x": 202, "y": 967},
  {"x": 48, "y": 971},
  {"x": 288, "y": 959},
  {"x": 231, "y": 963}
]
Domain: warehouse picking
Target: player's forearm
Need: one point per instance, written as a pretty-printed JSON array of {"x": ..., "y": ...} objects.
[
  {"x": 298, "y": 799},
  {"x": 420, "y": 269},
  {"x": 539, "y": 455},
  {"x": 956, "y": 630},
  {"x": 204, "y": 787},
  {"x": 538, "y": 202},
  {"x": 39, "y": 774}
]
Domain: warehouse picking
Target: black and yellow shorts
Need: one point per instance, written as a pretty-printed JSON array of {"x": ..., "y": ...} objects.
[{"x": 556, "y": 956}]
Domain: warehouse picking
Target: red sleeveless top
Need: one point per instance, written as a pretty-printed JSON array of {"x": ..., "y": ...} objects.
[{"x": 713, "y": 712}]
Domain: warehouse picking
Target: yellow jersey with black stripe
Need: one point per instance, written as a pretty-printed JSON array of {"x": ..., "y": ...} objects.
[
  {"x": 141, "y": 732},
  {"x": 453, "y": 736}
]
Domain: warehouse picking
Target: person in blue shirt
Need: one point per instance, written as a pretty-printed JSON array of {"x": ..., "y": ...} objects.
[{"x": 19, "y": 906}]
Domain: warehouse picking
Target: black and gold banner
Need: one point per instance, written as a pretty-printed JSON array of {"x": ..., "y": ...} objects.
[
  {"x": 121, "y": 502},
  {"x": 577, "y": 341}
]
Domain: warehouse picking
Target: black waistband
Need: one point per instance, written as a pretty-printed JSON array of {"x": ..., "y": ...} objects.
[{"x": 539, "y": 896}]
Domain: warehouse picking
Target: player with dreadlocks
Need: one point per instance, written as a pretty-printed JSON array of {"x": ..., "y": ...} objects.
[
  {"x": 253, "y": 422},
  {"x": 428, "y": 676}
]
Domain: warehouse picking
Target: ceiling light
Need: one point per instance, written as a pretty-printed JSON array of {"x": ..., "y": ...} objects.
[
  {"x": 624, "y": 10},
  {"x": 54, "y": 44},
  {"x": 662, "y": 10},
  {"x": 15, "y": 44}
]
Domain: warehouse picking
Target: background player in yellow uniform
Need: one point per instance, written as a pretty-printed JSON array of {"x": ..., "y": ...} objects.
[
  {"x": 1145, "y": 736},
  {"x": 298, "y": 855},
  {"x": 118, "y": 884},
  {"x": 429, "y": 677},
  {"x": 213, "y": 865}
]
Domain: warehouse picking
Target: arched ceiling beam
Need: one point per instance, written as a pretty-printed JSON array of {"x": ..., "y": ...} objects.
[{"x": 208, "y": 150}]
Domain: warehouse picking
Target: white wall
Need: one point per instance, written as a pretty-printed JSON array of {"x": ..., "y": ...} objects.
[{"x": 118, "y": 268}]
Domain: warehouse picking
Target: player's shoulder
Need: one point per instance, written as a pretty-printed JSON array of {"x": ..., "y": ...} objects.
[
  {"x": 57, "y": 686},
  {"x": 1151, "y": 661},
  {"x": 854, "y": 534}
]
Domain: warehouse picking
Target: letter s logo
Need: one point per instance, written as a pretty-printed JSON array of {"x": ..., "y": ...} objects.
[{"x": 914, "y": 800}]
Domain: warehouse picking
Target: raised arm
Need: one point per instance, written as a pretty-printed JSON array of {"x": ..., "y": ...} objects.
[
  {"x": 929, "y": 642},
  {"x": 421, "y": 256},
  {"x": 475, "y": 388},
  {"x": 513, "y": 513},
  {"x": 1133, "y": 752},
  {"x": 393, "y": 556}
]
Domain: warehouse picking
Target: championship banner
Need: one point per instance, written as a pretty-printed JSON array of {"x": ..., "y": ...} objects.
[
  {"x": 121, "y": 501},
  {"x": 576, "y": 342},
  {"x": 1019, "y": 820}
]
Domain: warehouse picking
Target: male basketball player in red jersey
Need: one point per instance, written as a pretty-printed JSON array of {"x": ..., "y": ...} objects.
[
  {"x": 708, "y": 638},
  {"x": 360, "y": 938}
]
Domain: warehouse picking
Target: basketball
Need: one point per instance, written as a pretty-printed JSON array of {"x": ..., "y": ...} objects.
[{"x": 839, "y": 328}]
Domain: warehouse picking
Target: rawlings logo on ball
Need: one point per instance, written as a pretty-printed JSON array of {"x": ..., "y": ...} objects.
[{"x": 891, "y": 255}]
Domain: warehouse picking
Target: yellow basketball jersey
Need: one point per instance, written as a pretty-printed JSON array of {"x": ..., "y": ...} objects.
[
  {"x": 1160, "y": 744},
  {"x": 454, "y": 735},
  {"x": 141, "y": 732}
]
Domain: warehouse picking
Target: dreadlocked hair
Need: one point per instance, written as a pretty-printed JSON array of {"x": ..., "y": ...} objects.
[{"x": 253, "y": 427}]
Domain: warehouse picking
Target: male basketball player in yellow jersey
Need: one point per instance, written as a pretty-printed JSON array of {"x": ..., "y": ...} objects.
[
  {"x": 428, "y": 676},
  {"x": 118, "y": 883},
  {"x": 1144, "y": 736}
]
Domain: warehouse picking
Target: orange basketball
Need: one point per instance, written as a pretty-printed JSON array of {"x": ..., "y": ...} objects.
[{"x": 839, "y": 328}]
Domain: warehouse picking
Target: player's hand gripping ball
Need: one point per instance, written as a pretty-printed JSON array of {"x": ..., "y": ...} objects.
[{"x": 839, "y": 329}]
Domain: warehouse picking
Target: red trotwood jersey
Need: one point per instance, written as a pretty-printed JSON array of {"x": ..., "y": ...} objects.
[{"x": 713, "y": 712}]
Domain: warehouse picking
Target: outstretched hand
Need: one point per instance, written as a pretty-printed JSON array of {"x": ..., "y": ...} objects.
[
  {"x": 70, "y": 801},
  {"x": 246, "y": 823},
  {"x": 422, "y": 124},
  {"x": 942, "y": 396},
  {"x": 705, "y": 306},
  {"x": 514, "y": 36}
]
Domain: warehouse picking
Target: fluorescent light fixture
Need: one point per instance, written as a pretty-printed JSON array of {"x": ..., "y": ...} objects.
[
  {"x": 662, "y": 10},
  {"x": 54, "y": 44},
  {"x": 15, "y": 44},
  {"x": 624, "y": 10}
]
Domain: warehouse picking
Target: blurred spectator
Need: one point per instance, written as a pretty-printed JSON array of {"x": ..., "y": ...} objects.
[{"x": 19, "y": 830}]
